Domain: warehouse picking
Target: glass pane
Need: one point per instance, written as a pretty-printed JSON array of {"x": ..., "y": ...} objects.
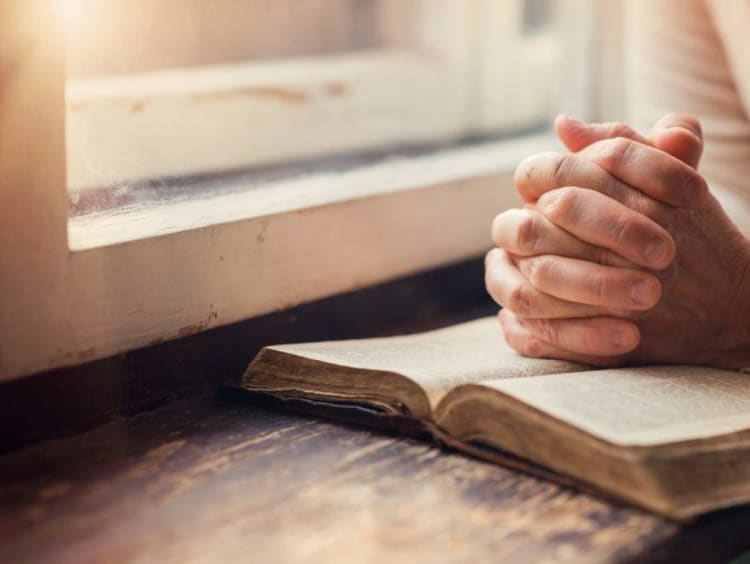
[
  {"x": 538, "y": 15},
  {"x": 114, "y": 37},
  {"x": 175, "y": 98}
]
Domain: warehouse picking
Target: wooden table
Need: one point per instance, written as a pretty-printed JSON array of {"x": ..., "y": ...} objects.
[{"x": 230, "y": 479}]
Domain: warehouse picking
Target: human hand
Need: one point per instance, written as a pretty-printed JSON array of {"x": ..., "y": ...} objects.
[{"x": 597, "y": 271}]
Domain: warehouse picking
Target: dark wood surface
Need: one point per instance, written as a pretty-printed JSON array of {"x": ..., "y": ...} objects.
[
  {"x": 230, "y": 479},
  {"x": 174, "y": 473}
]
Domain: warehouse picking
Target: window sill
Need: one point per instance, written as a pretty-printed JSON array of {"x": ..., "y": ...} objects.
[
  {"x": 293, "y": 195},
  {"x": 145, "y": 276}
]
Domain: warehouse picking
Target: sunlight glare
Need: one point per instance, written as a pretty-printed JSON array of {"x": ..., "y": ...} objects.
[{"x": 69, "y": 10}]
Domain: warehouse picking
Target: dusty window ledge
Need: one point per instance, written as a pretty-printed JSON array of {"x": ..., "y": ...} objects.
[
  {"x": 287, "y": 196},
  {"x": 158, "y": 273}
]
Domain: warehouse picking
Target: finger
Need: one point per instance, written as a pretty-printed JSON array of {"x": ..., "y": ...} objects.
[
  {"x": 521, "y": 340},
  {"x": 654, "y": 172},
  {"x": 580, "y": 281},
  {"x": 599, "y": 220},
  {"x": 524, "y": 342},
  {"x": 577, "y": 135},
  {"x": 527, "y": 232},
  {"x": 597, "y": 336},
  {"x": 674, "y": 120},
  {"x": 510, "y": 289},
  {"x": 548, "y": 171},
  {"x": 681, "y": 136}
]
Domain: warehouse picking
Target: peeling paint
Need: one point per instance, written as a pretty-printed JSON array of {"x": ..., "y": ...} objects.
[
  {"x": 137, "y": 106},
  {"x": 192, "y": 329},
  {"x": 200, "y": 326},
  {"x": 261, "y": 237},
  {"x": 87, "y": 353},
  {"x": 287, "y": 95},
  {"x": 336, "y": 89}
]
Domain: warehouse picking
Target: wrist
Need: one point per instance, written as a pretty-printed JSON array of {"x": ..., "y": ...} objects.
[{"x": 737, "y": 353}]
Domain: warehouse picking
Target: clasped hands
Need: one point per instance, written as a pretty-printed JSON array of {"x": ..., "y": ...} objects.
[{"x": 621, "y": 254}]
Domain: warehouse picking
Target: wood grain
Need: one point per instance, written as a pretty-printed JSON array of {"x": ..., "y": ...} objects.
[
  {"x": 67, "y": 401},
  {"x": 231, "y": 480}
]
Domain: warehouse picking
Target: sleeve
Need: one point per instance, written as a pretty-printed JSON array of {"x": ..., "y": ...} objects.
[{"x": 692, "y": 56}]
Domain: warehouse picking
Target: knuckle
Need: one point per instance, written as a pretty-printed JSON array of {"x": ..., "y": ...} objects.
[
  {"x": 601, "y": 255},
  {"x": 619, "y": 129},
  {"x": 530, "y": 268},
  {"x": 519, "y": 300},
  {"x": 650, "y": 207},
  {"x": 540, "y": 269},
  {"x": 588, "y": 341},
  {"x": 560, "y": 169},
  {"x": 682, "y": 184},
  {"x": 695, "y": 185},
  {"x": 532, "y": 347},
  {"x": 598, "y": 286},
  {"x": 622, "y": 229},
  {"x": 541, "y": 169},
  {"x": 548, "y": 331},
  {"x": 615, "y": 152},
  {"x": 527, "y": 233},
  {"x": 563, "y": 205}
]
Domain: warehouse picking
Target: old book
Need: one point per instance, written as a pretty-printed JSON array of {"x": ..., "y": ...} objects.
[{"x": 672, "y": 439}]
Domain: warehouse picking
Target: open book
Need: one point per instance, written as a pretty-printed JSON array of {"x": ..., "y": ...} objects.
[{"x": 673, "y": 439}]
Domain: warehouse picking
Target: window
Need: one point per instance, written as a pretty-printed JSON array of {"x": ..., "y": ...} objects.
[
  {"x": 194, "y": 163},
  {"x": 256, "y": 85}
]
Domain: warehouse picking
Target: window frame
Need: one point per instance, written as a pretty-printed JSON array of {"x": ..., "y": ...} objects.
[
  {"x": 433, "y": 81},
  {"x": 73, "y": 296}
]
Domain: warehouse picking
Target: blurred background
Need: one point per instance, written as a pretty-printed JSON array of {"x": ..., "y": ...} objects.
[{"x": 175, "y": 98}]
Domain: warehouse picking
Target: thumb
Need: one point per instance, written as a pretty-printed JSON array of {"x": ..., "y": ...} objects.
[
  {"x": 681, "y": 136},
  {"x": 577, "y": 135}
]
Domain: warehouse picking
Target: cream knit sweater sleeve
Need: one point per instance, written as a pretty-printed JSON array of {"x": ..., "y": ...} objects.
[{"x": 693, "y": 56}]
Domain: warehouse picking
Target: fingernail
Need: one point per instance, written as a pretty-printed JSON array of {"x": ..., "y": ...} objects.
[
  {"x": 623, "y": 340},
  {"x": 642, "y": 293},
  {"x": 654, "y": 251}
]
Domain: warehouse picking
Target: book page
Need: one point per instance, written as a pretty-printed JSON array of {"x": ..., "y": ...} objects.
[
  {"x": 436, "y": 360},
  {"x": 642, "y": 405}
]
